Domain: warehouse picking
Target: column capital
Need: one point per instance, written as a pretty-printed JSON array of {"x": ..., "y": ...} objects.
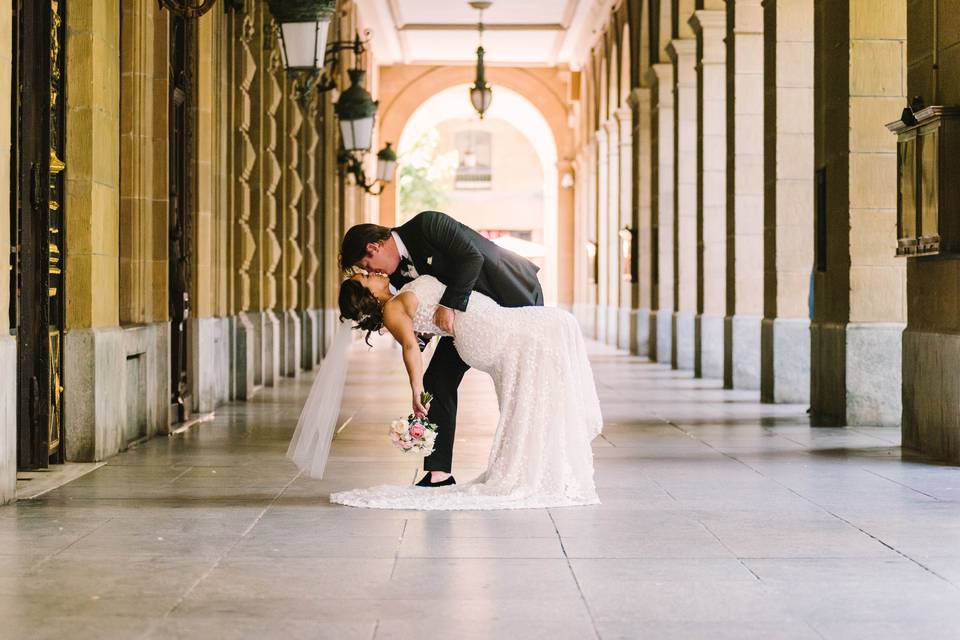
[
  {"x": 704, "y": 20},
  {"x": 681, "y": 48},
  {"x": 661, "y": 74},
  {"x": 638, "y": 96},
  {"x": 711, "y": 29}
]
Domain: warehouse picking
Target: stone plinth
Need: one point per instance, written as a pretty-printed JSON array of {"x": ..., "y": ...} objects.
[{"x": 8, "y": 418}]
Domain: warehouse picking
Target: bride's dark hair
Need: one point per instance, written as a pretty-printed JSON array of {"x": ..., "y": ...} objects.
[{"x": 358, "y": 303}]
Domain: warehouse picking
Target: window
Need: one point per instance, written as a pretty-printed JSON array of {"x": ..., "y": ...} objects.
[{"x": 473, "y": 170}]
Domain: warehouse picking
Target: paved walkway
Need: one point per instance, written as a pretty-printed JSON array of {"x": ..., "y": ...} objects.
[{"x": 721, "y": 518}]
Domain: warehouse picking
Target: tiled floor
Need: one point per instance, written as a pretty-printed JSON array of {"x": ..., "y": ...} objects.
[{"x": 721, "y": 518}]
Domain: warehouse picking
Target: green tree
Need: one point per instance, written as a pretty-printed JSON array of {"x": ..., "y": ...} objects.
[{"x": 425, "y": 178}]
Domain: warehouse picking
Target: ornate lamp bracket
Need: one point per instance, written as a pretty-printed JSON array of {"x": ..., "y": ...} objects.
[{"x": 187, "y": 8}]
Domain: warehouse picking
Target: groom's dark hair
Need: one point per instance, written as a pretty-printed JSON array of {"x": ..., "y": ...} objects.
[{"x": 355, "y": 241}]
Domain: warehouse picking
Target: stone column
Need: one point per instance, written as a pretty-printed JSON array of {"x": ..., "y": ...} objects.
[
  {"x": 8, "y": 344},
  {"x": 271, "y": 252},
  {"x": 610, "y": 268},
  {"x": 209, "y": 327},
  {"x": 602, "y": 199},
  {"x": 682, "y": 53},
  {"x": 662, "y": 207},
  {"x": 788, "y": 200},
  {"x": 859, "y": 286},
  {"x": 623, "y": 281},
  {"x": 931, "y": 341},
  {"x": 744, "y": 303},
  {"x": 309, "y": 303},
  {"x": 93, "y": 349},
  {"x": 247, "y": 353},
  {"x": 290, "y": 338},
  {"x": 642, "y": 287},
  {"x": 710, "y": 27}
]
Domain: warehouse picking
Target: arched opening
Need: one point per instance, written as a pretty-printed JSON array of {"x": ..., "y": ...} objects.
[{"x": 497, "y": 175}]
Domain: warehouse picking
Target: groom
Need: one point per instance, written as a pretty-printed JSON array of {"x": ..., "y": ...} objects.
[{"x": 433, "y": 243}]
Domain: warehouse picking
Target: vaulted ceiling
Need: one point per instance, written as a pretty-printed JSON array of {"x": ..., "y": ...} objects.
[{"x": 516, "y": 32}]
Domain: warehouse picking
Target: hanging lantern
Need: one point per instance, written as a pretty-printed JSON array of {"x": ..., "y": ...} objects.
[
  {"x": 480, "y": 93},
  {"x": 386, "y": 163},
  {"x": 302, "y": 26},
  {"x": 356, "y": 111}
]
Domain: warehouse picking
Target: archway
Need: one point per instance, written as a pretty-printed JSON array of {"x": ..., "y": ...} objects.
[
  {"x": 404, "y": 89},
  {"x": 519, "y": 122}
]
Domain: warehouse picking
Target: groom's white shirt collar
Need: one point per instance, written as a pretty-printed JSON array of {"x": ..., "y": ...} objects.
[
  {"x": 402, "y": 248},
  {"x": 411, "y": 271}
]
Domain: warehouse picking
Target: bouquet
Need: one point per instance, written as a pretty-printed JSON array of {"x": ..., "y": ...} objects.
[{"x": 414, "y": 435}]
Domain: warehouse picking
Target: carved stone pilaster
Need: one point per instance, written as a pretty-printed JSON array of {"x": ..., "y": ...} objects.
[
  {"x": 292, "y": 257},
  {"x": 246, "y": 163},
  {"x": 272, "y": 96}
]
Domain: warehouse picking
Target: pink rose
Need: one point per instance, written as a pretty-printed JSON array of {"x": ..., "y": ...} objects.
[{"x": 416, "y": 431}]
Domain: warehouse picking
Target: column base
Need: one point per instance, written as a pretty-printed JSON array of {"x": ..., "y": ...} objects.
[
  {"x": 741, "y": 344},
  {"x": 654, "y": 339},
  {"x": 708, "y": 359},
  {"x": 624, "y": 322},
  {"x": 244, "y": 360},
  {"x": 117, "y": 388},
  {"x": 331, "y": 321},
  {"x": 683, "y": 336},
  {"x": 640, "y": 332},
  {"x": 310, "y": 332},
  {"x": 600, "y": 323},
  {"x": 827, "y": 381},
  {"x": 586, "y": 315},
  {"x": 8, "y": 419},
  {"x": 613, "y": 329},
  {"x": 931, "y": 395},
  {"x": 209, "y": 362},
  {"x": 271, "y": 348},
  {"x": 290, "y": 343},
  {"x": 664, "y": 342},
  {"x": 785, "y": 360},
  {"x": 874, "y": 356},
  {"x": 856, "y": 373}
]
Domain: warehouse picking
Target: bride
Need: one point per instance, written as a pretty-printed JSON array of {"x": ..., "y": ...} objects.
[{"x": 549, "y": 412}]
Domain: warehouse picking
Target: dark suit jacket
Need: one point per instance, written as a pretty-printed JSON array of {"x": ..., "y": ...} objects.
[{"x": 465, "y": 261}]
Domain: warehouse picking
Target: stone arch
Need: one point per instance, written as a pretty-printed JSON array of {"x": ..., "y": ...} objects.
[{"x": 404, "y": 88}]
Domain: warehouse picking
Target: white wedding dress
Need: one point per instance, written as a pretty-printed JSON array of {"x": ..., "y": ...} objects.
[{"x": 549, "y": 412}]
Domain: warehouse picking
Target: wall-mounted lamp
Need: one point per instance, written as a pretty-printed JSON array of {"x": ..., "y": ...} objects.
[
  {"x": 188, "y": 8},
  {"x": 356, "y": 110},
  {"x": 302, "y": 27},
  {"x": 386, "y": 167}
]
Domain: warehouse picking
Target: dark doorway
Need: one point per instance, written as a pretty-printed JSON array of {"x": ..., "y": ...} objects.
[
  {"x": 182, "y": 59},
  {"x": 37, "y": 230}
]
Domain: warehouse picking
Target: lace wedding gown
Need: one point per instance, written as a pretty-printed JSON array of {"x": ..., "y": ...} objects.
[{"x": 549, "y": 412}]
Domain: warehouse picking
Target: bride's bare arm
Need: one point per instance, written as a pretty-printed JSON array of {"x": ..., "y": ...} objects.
[{"x": 398, "y": 319}]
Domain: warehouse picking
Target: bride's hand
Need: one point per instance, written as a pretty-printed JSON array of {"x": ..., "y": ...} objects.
[
  {"x": 443, "y": 318},
  {"x": 420, "y": 410}
]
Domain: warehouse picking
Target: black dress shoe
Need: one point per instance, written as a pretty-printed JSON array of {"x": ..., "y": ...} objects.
[{"x": 426, "y": 482}]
